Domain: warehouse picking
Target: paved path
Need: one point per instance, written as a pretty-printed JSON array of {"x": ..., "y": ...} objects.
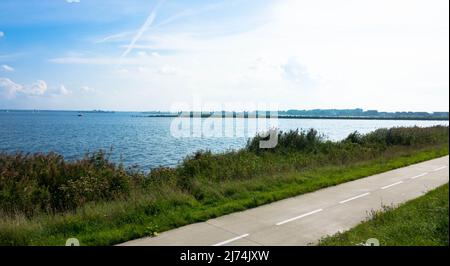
[{"x": 304, "y": 219}]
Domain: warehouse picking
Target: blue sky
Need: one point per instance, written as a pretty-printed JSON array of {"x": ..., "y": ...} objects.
[{"x": 226, "y": 54}]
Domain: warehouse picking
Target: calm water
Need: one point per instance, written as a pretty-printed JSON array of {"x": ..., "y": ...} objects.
[{"x": 145, "y": 141}]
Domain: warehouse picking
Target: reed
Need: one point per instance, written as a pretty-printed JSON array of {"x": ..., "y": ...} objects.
[{"x": 45, "y": 199}]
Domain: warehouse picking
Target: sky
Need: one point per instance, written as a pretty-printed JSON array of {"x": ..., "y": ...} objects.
[{"x": 143, "y": 55}]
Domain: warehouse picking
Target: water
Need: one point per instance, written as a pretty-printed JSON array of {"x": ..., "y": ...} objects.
[{"x": 144, "y": 141}]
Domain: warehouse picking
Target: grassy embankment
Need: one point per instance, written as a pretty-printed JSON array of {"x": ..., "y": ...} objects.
[
  {"x": 45, "y": 199},
  {"x": 419, "y": 222}
]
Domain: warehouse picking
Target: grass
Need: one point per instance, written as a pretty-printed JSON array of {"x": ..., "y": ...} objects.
[
  {"x": 419, "y": 222},
  {"x": 44, "y": 199}
]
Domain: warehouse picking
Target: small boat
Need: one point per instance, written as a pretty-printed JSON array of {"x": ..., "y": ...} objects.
[{"x": 80, "y": 114}]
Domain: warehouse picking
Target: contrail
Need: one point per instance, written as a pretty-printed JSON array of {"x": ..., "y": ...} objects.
[
  {"x": 183, "y": 14},
  {"x": 115, "y": 36},
  {"x": 188, "y": 13},
  {"x": 144, "y": 27}
]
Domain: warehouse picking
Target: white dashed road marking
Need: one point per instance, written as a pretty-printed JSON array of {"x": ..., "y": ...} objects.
[
  {"x": 230, "y": 240},
  {"x": 355, "y": 197},
  {"x": 391, "y": 185},
  {"x": 417, "y": 176},
  {"x": 298, "y": 217},
  {"x": 319, "y": 210},
  {"x": 440, "y": 168}
]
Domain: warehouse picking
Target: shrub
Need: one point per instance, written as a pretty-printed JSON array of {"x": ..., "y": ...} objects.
[
  {"x": 46, "y": 183},
  {"x": 30, "y": 183},
  {"x": 293, "y": 140}
]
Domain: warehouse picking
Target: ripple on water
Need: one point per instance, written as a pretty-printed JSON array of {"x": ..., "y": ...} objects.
[{"x": 143, "y": 141}]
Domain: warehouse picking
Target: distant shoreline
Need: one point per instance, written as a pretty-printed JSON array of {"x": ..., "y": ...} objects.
[
  {"x": 344, "y": 115},
  {"x": 305, "y": 117}
]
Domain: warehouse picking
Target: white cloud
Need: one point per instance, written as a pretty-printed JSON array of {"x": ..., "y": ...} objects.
[
  {"x": 10, "y": 57},
  {"x": 63, "y": 90},
  {"x": 142, "y": 69},
  {"x": 9, "y": 88},
  {"x": 360, "y": 48},
  {"x": 58, "y": 91},
  {"x": 142, "y": 53},
  {"x": 2, "y": 34},
  {"x": 38, "y": 88},
  {"x": 167, "y": 70},
  {"x": 7, "y": 68},
  {"x": 81, "y": 60},
  {"x": 73, "y": 1},
  {"x": 87, "y": 89},
  {"x": 298, "y": 73}
]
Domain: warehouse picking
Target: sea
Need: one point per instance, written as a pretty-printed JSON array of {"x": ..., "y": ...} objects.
[{"x": 135, "y": 139}]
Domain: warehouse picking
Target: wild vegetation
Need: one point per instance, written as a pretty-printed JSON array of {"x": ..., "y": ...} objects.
[
  {"x": 45, "y": 199},
  {"x": 419, "y": 222}
]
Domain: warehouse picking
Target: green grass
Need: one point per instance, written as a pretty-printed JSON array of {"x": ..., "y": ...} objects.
[
  {"x": 44, "y": 200},
  {"x": 419, "y": 222}
]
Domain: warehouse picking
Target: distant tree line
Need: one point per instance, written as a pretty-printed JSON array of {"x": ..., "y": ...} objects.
[
  {"x": 358, "y": 112},
  {"x": 315, "y": 113}
]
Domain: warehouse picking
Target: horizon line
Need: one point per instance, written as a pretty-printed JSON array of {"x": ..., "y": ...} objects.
[{"x": 165, "y": 111}]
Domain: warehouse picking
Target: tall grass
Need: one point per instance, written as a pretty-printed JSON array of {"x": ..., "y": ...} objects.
[
  {"x": 45, "y": 199},
  {"x": 34, "y": 183}
]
